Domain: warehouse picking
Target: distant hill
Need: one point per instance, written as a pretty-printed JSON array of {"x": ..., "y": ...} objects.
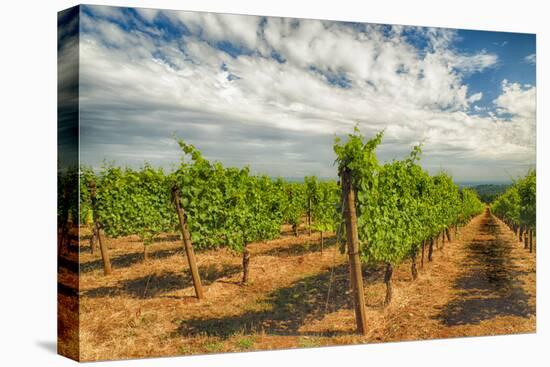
[{"x": 488, "y": 192}]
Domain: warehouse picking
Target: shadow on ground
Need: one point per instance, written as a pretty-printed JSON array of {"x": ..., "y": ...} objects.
[
  {"x": 127, "y": 260},
  {"x": 66, "y": 290},
  {"x": 154, "y": 285},
  {"x": 121, "y": 261},
  {"x": 491, "y": 287},
  {"x": 286, "y": 309}
]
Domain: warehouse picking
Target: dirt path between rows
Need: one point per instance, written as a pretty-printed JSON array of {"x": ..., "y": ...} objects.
[{"x": 483, "y": 283}]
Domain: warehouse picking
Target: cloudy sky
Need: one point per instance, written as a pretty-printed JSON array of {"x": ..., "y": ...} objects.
[{"x": 272, "y": 93}]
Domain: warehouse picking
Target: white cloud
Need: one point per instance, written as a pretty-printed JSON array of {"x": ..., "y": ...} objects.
[
  {"x": 136, "y": 94},
  {"x": 517, "y": 100},
  {"x": 500, "y": 44},
  {"x": 530, "y": 59},
  {"x": 109, "y": 12},
  {"x": 147, "y": 14},
  {"x": 240, "y": 29},
  {"x": 474, "y": 63},
  {"x": 475, "y": 97},
  {"x": 438, "y": 38}
]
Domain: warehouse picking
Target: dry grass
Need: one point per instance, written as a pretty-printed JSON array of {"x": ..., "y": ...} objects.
[{"x": 297, "y": 297}]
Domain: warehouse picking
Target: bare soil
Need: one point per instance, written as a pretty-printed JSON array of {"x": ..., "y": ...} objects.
[{"x": 481, "y": 283}]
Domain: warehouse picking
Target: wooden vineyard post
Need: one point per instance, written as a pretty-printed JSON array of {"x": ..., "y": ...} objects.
[
  {"x": 422, "y": 259},
  {"x": 62, "y": 238},
  {"x": 97, "y": 230},
  {"x": 387, "y": 279},
  {"x": 93, "y": 240},
  {"x": 531, "y": 240},
  {"x": 448, "y": 233},
  {"x": 246, "y": 264},
  {"x": 294, "y": 225},
  {"x": 187, "y": 243},
  {"x": 521, "y": 233},
  {"x": 414, "y": 271},
  {"x": 356, "y": 277},
  {"x": 145, "y": 254},
  {"x": 431, "y": 249},
  {"x": 309, "y": 215},
  {"x": 104, "y": 251}
]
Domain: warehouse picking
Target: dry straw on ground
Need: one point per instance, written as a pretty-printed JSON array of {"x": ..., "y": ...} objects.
[{"x": 482, "y": 283}]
